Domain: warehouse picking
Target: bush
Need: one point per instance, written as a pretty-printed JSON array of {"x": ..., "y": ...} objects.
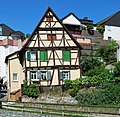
[
  {"x": 101, "y": 29},
  {"x": 67, "y": 84},
  {"x": 88, "y": 63},
  {"x": 116, "y": 71},
  {"x": 73, "y": 92},
  {"x": 72, "y": 83},
  {"x": 90, "y": 26},
  {"x": 25, "y": 88},
  {"x": 30, "y": 91},
  {"x": 73, "y": 86},
  {"x": 107, "y": 94},
  {"x": 33, "y": 91}
]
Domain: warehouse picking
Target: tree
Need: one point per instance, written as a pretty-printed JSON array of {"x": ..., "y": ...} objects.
[
  {"x": 108, "y": 52},
  {"x": 101, "y": 29},
  {"x": 88, "y": 63}
]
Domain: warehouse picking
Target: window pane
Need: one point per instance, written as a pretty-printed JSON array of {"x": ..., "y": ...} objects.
[
  {"x": 65, "y": 75},
  {"x": 49, "y": 18},
  {"x": 43, "y": 75},
  {"x": 33, "y": 75},
  {"x": 15, "y": 77},
  {"x": 66, "y": 55},
  {"x": 33, "y": 55},
  {"x": 51, "y": 36}
]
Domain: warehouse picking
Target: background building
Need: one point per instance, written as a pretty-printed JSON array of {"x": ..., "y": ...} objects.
[{"x": 10, "y": 41}]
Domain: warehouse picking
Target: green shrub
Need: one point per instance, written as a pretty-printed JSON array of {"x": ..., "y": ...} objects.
[
  {"x": 73, "y": 92},
  {"x": 116, "y": 71},
  {"x": 25, "y": 88},
  {"x": 30, "y": 91},
  {"x": 33, "y": 91},
  {"x": 88, "y": 63},
  {"x": 101, "y": 29},
  {"x": 107, "y": 94},
  {"x": 90, "y": 26},
  {"x": 76, "y": 83},
  {"x": 67, "y": 84}
]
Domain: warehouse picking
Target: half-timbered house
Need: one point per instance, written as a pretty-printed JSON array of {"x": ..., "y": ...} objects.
[{"x": 50, "y": 55}]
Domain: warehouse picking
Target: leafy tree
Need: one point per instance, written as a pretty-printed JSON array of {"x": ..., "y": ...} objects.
[
  {"x": 90, "y": 26},
  {"x": 101, "y": 29},
  {"x": 108, "y": 52},
  {"x": 89, "y": 63}
]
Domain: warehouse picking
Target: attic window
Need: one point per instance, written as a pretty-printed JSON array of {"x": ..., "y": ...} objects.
[
  {"x": 51, "y": 37},
  {"x": 49, "y": 18}
]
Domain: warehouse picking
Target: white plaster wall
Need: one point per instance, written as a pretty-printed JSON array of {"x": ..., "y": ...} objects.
[
  {"x": 4, "y": 51},
  {"x": 71, "y": 20},
  {"x": 113, "y": 32}
]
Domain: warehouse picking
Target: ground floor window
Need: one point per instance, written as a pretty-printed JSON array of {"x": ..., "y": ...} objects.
[
  {"x": 33, "y": 75},
  {"x": 65, "y": 75},
  {"x": 41, "y": 75},
  {"x": 15, "y": 77}
]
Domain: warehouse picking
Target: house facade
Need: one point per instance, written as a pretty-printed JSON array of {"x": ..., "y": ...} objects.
[
  {"x": 9, "y": 41},
  {"x": 112, "y": 29},
  {"x": 49, "y": 56},
  {"x": 90, "y": 40}
]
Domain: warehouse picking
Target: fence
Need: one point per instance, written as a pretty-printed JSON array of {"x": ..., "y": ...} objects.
[{"x": 30, "y": 108}]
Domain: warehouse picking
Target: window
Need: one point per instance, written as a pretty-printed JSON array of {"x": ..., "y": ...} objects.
[
  {"x": 51, "y": 37},
  {"x": 15, "y": 77},
  {"x": 40, "y": 75},
  {"x": 66, "y": 55},
  {"x": 43, "y": 75},
  {"x": 33, "y": 75},
  {"x": 109, "y": 38},
  {"x": 0, "y": 30},
  {"x": 31, "y": 56},
  {"x": 65, "y": 75},
  {"x": 43, "y": 56},
  {"x": 49, "y": 18}
]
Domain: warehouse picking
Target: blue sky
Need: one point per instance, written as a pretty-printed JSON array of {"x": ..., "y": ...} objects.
[{"x": 24, "y": 15}]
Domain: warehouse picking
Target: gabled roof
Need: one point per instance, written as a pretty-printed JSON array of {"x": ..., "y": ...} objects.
[
  {"x": 85, "y": 20},
  {"x": 50, "y": 10},
  {"x": 70, "y": 15},
  {"x": 6, "y": 59},
  {"x": 113, "y": 20}
]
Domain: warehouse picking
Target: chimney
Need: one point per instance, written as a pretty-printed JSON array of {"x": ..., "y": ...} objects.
[{"x": 85, "y": 18}]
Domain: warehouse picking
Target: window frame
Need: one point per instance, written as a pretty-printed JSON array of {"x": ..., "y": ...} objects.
[
  {"x": 109, "y": 38},
  {"x": 42, "y": 72},
  {"x": 35, "y": 73},
  {"x": 16, "y": 77},
  {"x": 63, "y": 73},
  {"x": 29, "y": 55},
  {"x": 51, "y": 37},
  {"x": 49, "y": 18}
]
